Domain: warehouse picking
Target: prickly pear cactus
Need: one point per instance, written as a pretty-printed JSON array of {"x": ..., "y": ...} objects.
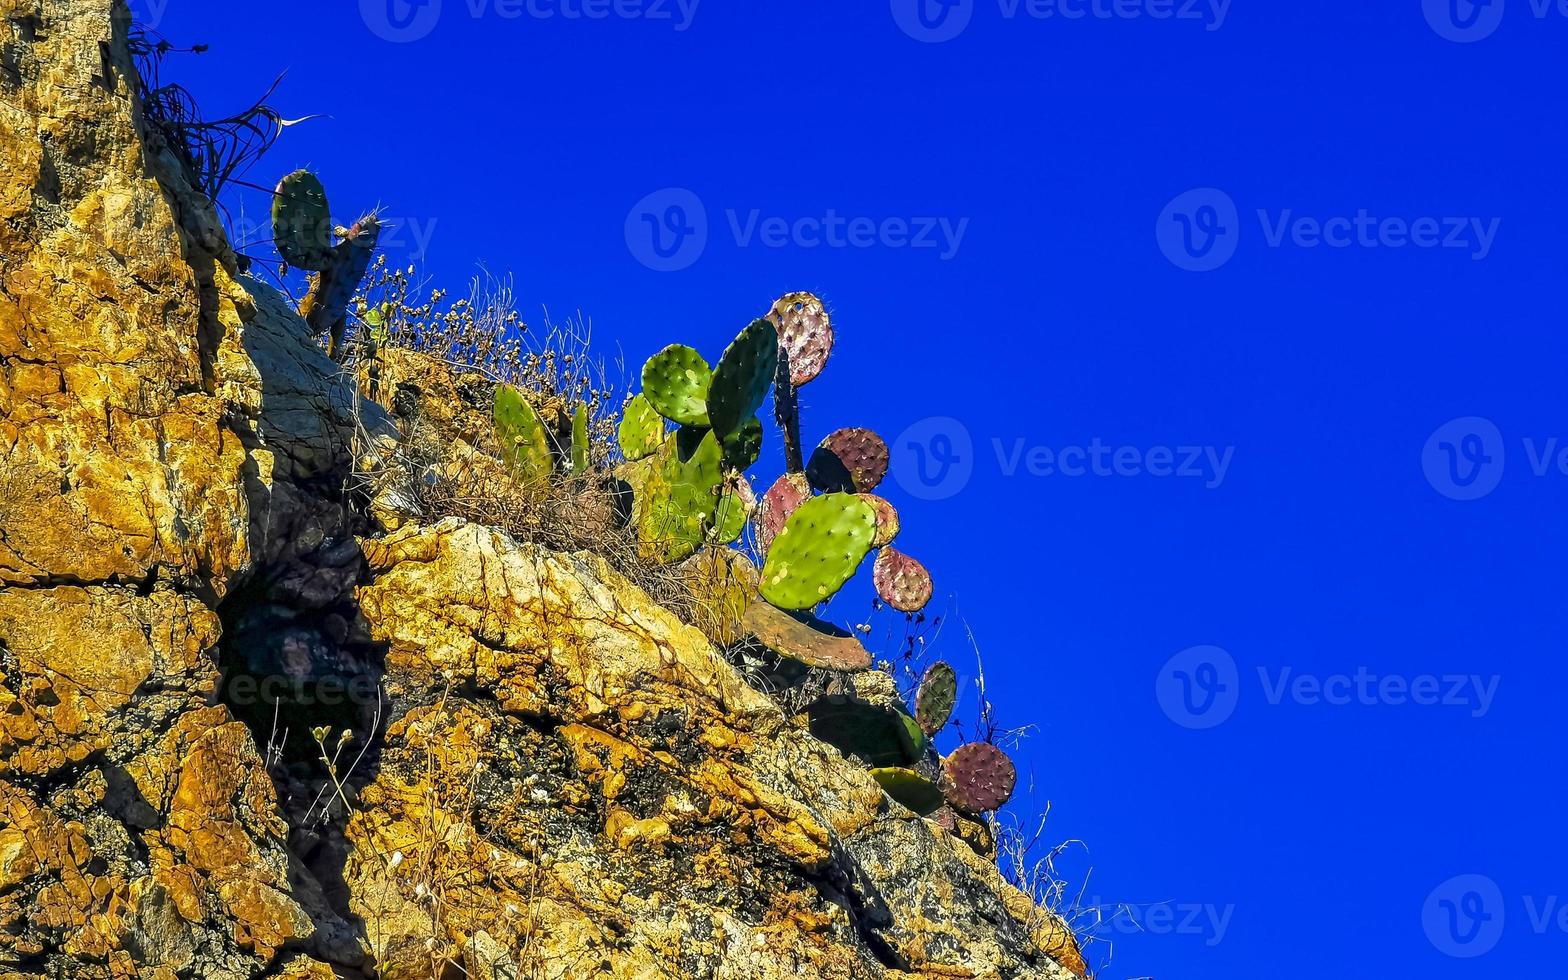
[
  {"x": 736, "y": 501},
  {"x": 581, "y": 449},
  {"x": 676, "y": 494},
  {"x": 743, "y": 447},
  {"x": 302, "y": 221},
  {"x": 910, "y": 789},
  {"x": 724, "y": 589},
  {"x": 742, "y": 379},
  {"x": 938, "y": 694},
  {"x": 805, "y": 335},
  {"x": 901, "y": 581},
  {"x": 849, "y": 461},
  {"x": 978, "y": 778},
  {"x": 888, "y": 524},
  {"x": 877, "y": 736},
  {"x": 804, "y": 639},
  {"x": 819, "y": 549},
  {"x": 325, "y": 306},
  {"x": 642, "y": 429},
  {"x": 525, "y": 445},
  {"x": 782, "y": 499},
  {"x": 676, "y": 382}
]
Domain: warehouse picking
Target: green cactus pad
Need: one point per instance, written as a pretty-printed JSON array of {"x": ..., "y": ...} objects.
[
  {"x": 736, "y": 501},
  {"x": 805, "y": 335},
  {"x": 676, "y": 495},
  {"x": 978, "y": 778},
  {"x": 580, "y": 445},
  {"x": 782, "y": 499},
  {"x": 819, "y": 549},
  {"x": 938, "y": 694},
  {"x": 877, "y": 736},
  {"x": 888, "y": 524},
  {"x": 302, "y": 222},
  {"x": 724, "y": 586},
  {"x": 804, "y": 639},
  {"x": 743, "y": 446},
  {"x": 901, "y": 581},
  {"x": 676, "y": 382},
  {"x": 849, "y": 461},
  {"x": 525, "y": 445},
  {"x": 910, "y": 789},
  {"x": 642, "y": 429},
  {"x": 742, "y": 378}
]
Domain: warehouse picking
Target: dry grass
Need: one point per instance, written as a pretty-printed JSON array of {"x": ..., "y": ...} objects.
[{"x": 480, "y": 340}]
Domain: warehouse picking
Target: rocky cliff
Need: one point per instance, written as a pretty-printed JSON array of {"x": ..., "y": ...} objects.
[{"x": 540, "y": 771}]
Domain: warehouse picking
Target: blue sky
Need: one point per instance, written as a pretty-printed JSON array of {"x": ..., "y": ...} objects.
[{"x": 1231, "y": 337}]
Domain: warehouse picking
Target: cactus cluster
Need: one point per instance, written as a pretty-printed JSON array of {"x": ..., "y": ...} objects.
[
  {"x": 688, "y": 439},
  {"x": 688, "y": 485},
  {"x": 975, "y": 778},
  {"x": 336, "y": 258}
]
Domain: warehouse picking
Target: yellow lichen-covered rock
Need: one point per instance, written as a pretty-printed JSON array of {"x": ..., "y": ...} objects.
[{"x": 569, "y": 753}]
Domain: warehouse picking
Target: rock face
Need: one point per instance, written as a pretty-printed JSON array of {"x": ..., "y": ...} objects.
[{"x": 548, "y": 775}]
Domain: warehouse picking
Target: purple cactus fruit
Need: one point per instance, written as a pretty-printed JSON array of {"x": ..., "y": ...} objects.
[
  {"x": 805, "y": 335},
  {"x": 901, "y": 581},
  {"x": 772, "y": 513},
  {"x": 849, "y": 461},
  {"x": 978, "y": 778}
]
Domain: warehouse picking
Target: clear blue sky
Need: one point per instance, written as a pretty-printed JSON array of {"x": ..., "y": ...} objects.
[{"x": 1406, "y": 270}]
